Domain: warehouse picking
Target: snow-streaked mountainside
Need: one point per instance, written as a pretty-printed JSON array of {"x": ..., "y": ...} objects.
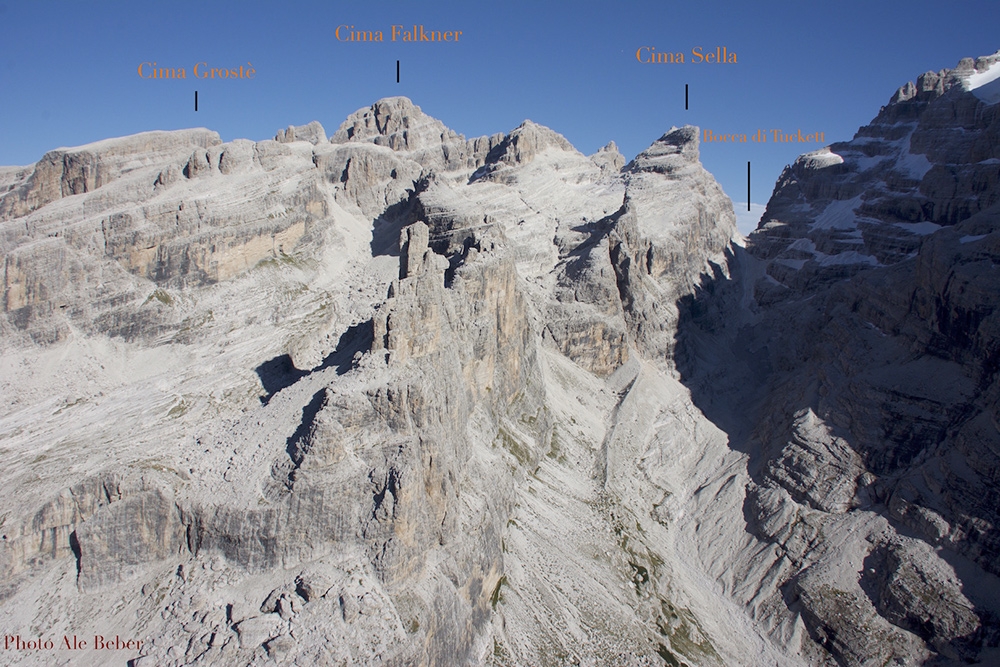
[
  {"x": 926, "y": 161},
  {"x": 984, "y": 82},
  {"x": 401, "y": 397}
]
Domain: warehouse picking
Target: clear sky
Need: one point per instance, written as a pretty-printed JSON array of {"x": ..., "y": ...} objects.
[{"x": 68, "y": 70}]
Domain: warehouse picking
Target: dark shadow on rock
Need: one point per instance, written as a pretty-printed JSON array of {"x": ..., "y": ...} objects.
[
  {"x": 284, "y": 470},
  {"x": 280, "y": 372},
  {"x": 722, "y": 358},
  {"x": 873, "y": 575},
  {"x": 386, "y": 227},
  {"x": 74, "y": 545},
  {"x": 296, "y": 444},
  {"x": 983, "y": 590},
  {"x": 276, "y": 374},
  {"x": 357, "y": 338},
  {"x": 457, "y": 259}
]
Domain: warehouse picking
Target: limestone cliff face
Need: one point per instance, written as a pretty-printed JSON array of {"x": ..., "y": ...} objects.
[
  {"x": 402, "y": 397},
  {"x": 65, "y": 172},
  {"x": 404, "y": 298},
  {"x": 143, "y": 225},
  {"x": 927, "y": 160},
  {"x": 866, "y": 355}
]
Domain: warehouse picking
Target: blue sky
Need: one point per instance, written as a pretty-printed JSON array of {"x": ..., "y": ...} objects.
[{"x": 68, "y": 69}]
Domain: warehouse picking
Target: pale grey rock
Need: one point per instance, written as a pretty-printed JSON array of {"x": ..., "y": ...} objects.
[
  {"x": 312, "y": 132},
  {"x": 237, "y": 157},
  {"x": 412, "y": 246},
  {"x": 520, "y": 147},
  {"x": 372, "y": 178},
  {"x": 311, "y": 586},
  {"x": 400, "y": 125},
  {"x": 816, "y": 466},
  {"x": 114, "y": 543},
  {"x": 146, "y": 232},
  {"x": 50, "y": 533},
  {"x": 394, "y": 122},
  {"x": 197, "y": 165},
  {"x": 256, "y": 631},
  {"x": 406, "y": 398},
  {"x": 65, "y": 172},
  {"x": 609, "y": 158},
  {"x": 672, "y": 228},
  {"x": 168, "y": 177}
]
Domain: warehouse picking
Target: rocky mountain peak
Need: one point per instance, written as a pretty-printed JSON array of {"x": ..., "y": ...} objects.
[
  {"x": 312, "y": 132},
  {"x": 395, "y": 122},
  {"x": 675, "y": 149},
  {"x": 931, "y": 85},
  {"x": 521, "y": 147},
  {"x": 69, "y": 171},
  {"x": 405, "y": 398},
  {"x": 609, "y": 158},
  {"x": 525, "y": 142},
  {"x": 926, "y": 161}
]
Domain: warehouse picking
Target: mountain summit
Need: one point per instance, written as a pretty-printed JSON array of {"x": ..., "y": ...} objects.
[{"x": 401, "y": 397}]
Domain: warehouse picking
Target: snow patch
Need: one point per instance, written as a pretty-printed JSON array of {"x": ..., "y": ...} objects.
[
  {"x": 849, "y": 257},
  {"x": 864, "y": 163},
  {"x": 970, "y": 239},
  {"x": 914, "y": 165},
  {"x": 985, "y": 85},
  {"x": 822, "y": 158},
  {"x": 838, "y": 215},
  {"x": 804, "y": 244},
  {"x": 796, "y": 264}
]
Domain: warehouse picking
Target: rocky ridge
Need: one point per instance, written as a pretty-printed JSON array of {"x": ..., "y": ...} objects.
[
  {"x": 419, "y": 325},
  {"x": 859, "y": 324},
  {"x": 402, "y": 397},
  {"x": 928, "y": 160}
]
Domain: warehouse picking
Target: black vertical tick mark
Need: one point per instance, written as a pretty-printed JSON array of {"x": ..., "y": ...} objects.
[
  {"x": 196, "y": 100},
  {"x": 397, "y": 71},
  {"x": 748, "y": 185},
  {"x": 685, "y": 97}
]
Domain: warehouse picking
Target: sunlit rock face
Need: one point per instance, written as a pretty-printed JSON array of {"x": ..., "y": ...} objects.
[{"x": 401, "y": 397}]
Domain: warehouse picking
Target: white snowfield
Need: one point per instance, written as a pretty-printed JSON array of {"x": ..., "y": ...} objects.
[{"x": 985, "y": 84}]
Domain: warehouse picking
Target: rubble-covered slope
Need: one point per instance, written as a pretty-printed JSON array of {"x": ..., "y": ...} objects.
[
  {"x": 858, "y": 331},
  {"x": 297, "y": 400},
  {"x": 402, "y": 397}
]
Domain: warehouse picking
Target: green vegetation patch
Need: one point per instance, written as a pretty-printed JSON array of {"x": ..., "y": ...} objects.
[
  {"x": 668, "y": 657},
  {"x": 497, "y": 596},
  {"x": 555, "y": 448},
  {"x": 685, "y": 635},
  {"x": 514, "y": 446},
  {"x": 640, "y": 576},
  {"x": 178, "y": 409},
  {"x": 160, "y": 295},
  {"x": 281, "y": 259}
]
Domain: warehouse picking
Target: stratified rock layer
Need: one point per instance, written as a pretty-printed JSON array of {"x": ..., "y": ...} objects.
[
  {"x": 402, "y": 397},
  {"x": 351, "y": 349},
  {"x": 858, "y": 328}
]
